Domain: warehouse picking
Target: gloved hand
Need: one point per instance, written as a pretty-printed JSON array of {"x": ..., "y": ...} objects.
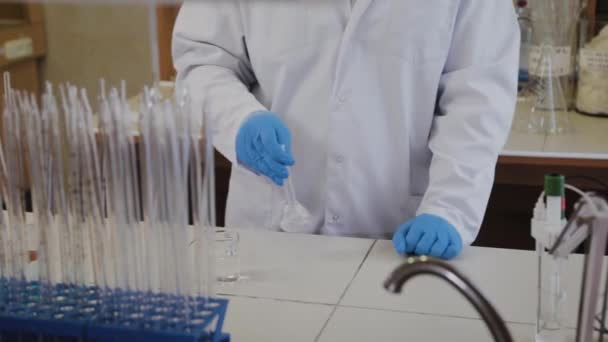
[
  {"x": 263, "y": 144},
  {"x": 428, "y": 235}
]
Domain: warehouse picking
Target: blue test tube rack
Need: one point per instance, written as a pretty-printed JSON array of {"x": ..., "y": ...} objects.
[{"x": 30, "y": 311}]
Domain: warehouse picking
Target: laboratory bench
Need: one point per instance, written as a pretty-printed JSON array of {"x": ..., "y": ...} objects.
[
  {"x": 586, "y": 145},
  {"x": 309, "y": 288},
  {"x": 321, "y": 288},
  {"x": 525, "y": 159}
]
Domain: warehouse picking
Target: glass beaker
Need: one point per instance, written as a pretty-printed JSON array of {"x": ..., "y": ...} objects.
[
  {"x": 593, "y": 68},
  {"x": 228, "y": 266}
]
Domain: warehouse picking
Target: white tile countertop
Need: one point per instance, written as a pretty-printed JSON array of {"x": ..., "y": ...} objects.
[
  {"x": 359, "y": 309},
  {"x": 321, "y": 288},
  {"x": 588, "y": 139},
  {"x": 590, "y": 136},
  {"x": 265, "y": 320},
  {"x": 508, "y": 278},
  {"x": 364, "y": 325},
  {"x": 306, "y": 268},
  {"x": 520, "y": 142}
]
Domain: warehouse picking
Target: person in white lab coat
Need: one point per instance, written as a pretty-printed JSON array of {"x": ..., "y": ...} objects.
[{"x": 394, "y": 111}]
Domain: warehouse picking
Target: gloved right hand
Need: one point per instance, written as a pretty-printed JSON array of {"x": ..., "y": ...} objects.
[
  {"x": 263, "y": 145},
  {"x": 428, "y": 235}
]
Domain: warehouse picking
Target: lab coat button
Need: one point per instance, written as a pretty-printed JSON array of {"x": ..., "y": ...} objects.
[
  {"x": 340, "y": 158},
  {"x": 335, "y": 218}
]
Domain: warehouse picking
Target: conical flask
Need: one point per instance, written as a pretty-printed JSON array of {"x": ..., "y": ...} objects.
[
  {"x": 295, "y": 217},
  {"x": 549, "y": 109}
]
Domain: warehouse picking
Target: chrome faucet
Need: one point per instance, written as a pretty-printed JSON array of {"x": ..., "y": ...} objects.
[{"x": 415, "y": 266}]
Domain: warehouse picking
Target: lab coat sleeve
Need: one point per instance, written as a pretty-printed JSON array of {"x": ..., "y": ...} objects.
[
  {"x": 210, "y": 57},
  {"x": 476, "y": 103}
]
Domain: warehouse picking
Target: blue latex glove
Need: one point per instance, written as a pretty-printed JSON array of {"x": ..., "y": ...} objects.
[
  {"x": 263, "y": 144},
  {"x": 428, "y": 235}
]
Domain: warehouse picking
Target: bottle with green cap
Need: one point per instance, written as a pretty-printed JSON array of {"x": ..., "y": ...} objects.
[{"x": 556, "y": 201}]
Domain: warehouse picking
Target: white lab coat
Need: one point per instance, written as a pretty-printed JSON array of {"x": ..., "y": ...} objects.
[{"x": 396, "y": 107}]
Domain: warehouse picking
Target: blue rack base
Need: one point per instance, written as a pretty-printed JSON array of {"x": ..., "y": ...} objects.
[{"x": 60, "y": 313}]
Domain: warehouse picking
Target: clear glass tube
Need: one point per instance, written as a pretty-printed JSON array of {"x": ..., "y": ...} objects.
[
  {"x": 13, "y": 131},
  {"x": 551, "y": 298},
  {"x": 89, "y": 203}
]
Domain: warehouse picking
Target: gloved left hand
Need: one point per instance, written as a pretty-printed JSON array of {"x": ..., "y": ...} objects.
[{"x": 428, "y": 235}]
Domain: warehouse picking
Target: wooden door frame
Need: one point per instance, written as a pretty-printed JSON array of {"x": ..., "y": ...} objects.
[
  {"x": 591, "y": 8},
  {"x": 165, "y": 16}
]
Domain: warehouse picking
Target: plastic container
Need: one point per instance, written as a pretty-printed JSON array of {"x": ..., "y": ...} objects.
[{"x": 592, "y": 69}]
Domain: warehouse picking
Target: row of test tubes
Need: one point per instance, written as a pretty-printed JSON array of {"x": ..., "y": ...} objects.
[{"x": 122, "y": 205}]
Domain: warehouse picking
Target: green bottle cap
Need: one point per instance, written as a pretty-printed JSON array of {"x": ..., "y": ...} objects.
[{"x": 554, "y": 185}]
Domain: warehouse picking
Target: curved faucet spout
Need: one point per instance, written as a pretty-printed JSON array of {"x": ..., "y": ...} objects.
[{"x": 415, "y": 266}]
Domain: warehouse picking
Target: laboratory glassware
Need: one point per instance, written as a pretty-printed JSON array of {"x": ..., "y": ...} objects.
[
  {"x": 227, "y": 255},
  {"x": 551, "y": 64},
  {"x": 294, "y": 216},
  {"x": 96, "y": 223},
  {"x": 556, "y": 239},
  {"x": 547, "y": 223},
  {"x": 551, "y": 297},
  {"x": 548, "y": 108},
  {"x": 14, "y": 173}
]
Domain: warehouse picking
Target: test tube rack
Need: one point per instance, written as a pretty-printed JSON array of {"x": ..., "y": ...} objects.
[{"x": 30, "y": 311}]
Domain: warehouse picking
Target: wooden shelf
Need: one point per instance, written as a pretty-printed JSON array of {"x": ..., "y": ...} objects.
[
  {"x": 166, "y": 16},
  {"x": 22, "y": 44},
  {"x": 15, "y": 33}
]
